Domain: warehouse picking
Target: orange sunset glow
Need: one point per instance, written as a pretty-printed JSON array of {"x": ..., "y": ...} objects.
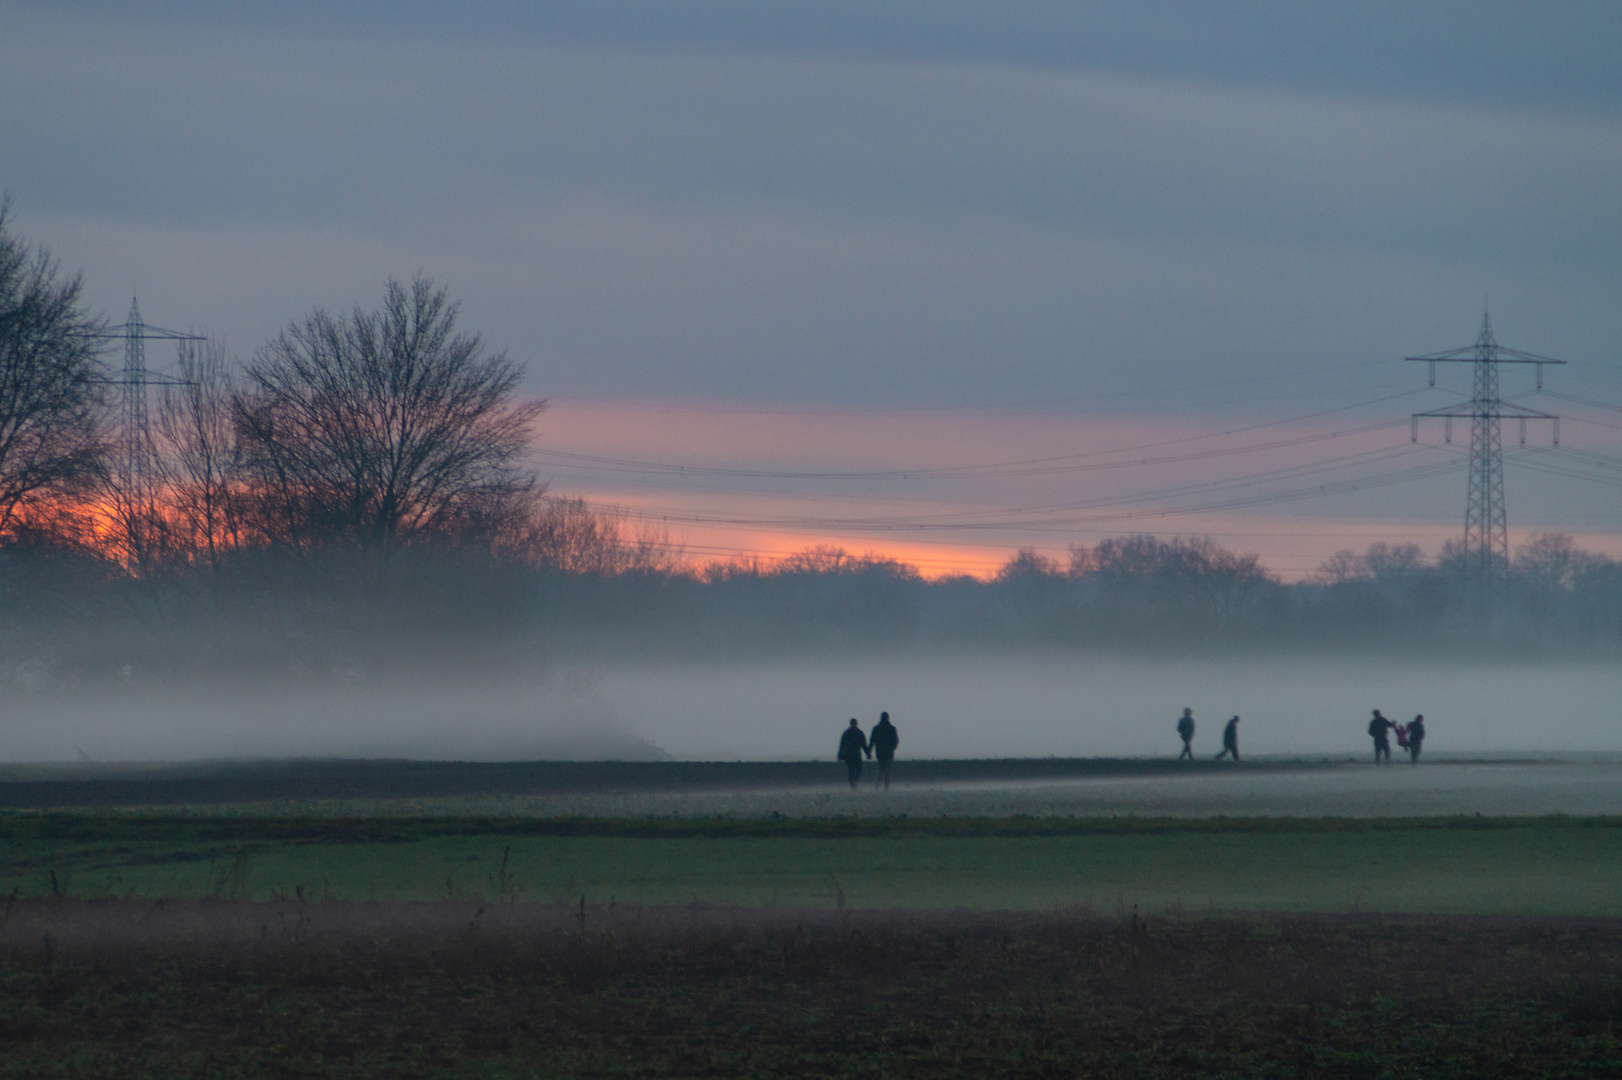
[
  {"x": 774, "y": 538},
  {"x": 722, "y": 482}
]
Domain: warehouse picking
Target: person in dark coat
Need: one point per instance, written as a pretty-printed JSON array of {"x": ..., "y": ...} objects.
[
  {"x": 1185, "y": 730},
  {"x": 884, "y": 740},
  {"x": 1416, "y": 738},
  {"x": 852, "y": 745},
  {"x": 1380, "y": 730},
  {"x": 1230, "y": 740}
]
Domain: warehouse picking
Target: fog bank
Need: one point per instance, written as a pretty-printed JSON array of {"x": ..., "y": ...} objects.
[
  {"x": 1070, "y": 706},
  {"x": 440, "y": 722},
  {"x": 971, "y": 705}
]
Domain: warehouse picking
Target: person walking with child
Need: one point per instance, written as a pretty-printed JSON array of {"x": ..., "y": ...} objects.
[{"x": 1380, "y": 729}]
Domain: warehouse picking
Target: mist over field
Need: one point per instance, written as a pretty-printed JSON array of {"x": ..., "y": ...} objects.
[
  {"x": 463, "y": 467},
  {"x": 945, "y": 705},
  {"x": 435, "y": 721},
  {"x": 342, "y": 521},
  {"x": 1068, "y": 706}
]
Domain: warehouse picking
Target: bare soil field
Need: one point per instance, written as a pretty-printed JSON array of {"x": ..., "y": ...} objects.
[
  {"x": 402, "y": 919},
  {"x": 467, "y": 989}
]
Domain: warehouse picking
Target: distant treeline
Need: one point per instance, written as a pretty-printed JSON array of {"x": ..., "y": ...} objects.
[
  {"x": 1134, "y": 592},
  {"x": 353, "y": 499},
  {"x": 575, "y": 583}
]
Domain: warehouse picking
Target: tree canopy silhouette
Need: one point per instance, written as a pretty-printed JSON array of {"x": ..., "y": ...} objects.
[
  {"x": 382, "y": 426},
  {"x": 51, "y": 379}
]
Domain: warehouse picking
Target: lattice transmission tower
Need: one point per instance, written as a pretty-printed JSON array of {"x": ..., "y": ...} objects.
[
  {"x": 1486, "y": 526},
  {"x": 135, "y": 468}
]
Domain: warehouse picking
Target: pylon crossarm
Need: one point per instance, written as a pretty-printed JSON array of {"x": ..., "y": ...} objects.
[
  {"x": 1516, "y": 356},
  {"x": 146, "y": 379},
  {"x": 1496, "y": 410},
  {"x": 151, "y": 333},
  {"x": 1468, "y": 356}
]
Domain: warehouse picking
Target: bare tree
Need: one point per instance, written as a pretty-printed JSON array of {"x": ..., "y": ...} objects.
[
  {"x": 50, "y": 379},
  {"x": 1545, "y": 569},
  {"x": 571, "y": 536},
  {"x": 201, "y": 456},
  {"x": 1192, "y": 584},
  {"x": 1344, "y": 567},
  {"x": 819, "y": 559},
  {"x": 1028, "y": 564},
  {"x": 382, "y": 426}
]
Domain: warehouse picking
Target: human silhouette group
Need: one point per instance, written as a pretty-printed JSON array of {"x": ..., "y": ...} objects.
[
  {"x": 857, "y": 747},
  {"x": 1230, "y": 737},
  {"x": 1410, "y": 737},
  {"x": 854, "y": 747}
]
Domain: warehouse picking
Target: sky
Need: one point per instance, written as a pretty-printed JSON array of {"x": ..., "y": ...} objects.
[{"x": 938, "y": 280}]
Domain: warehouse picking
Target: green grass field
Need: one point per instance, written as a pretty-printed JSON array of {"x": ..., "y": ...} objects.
[
  {"x": 1168, "y": 947},
  {"x": 1463, "y": 865}
]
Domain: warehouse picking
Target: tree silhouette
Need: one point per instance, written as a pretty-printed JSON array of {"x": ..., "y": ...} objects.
[
  {"x": 382, "y": 426},
  {"x": 51, "y": 380}
]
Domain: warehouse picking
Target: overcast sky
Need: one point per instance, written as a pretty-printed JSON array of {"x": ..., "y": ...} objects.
[{"x": 1191, "y": 215}]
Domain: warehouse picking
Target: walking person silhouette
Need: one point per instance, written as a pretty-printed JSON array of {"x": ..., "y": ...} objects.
[
  {"x": 1416, "y": 738},
  {"x": 884, "y": 740},
  {"x": 1380, "y": 729},
  {"x": 1185, "y": 729},
  {"x": 1230, "y": 740},
  {"x": 852, "y": 745}
]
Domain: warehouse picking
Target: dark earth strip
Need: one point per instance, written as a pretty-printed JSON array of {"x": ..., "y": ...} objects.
[
  {"x": 243, "y": 782},
  {"x": 118, "y": 827},
  {"x": 459, "y": 989}
]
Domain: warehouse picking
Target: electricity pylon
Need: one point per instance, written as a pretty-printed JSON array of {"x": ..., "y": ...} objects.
[
  {"x": 1486, "y": 527},
  {"x": 135, "y": 470}
]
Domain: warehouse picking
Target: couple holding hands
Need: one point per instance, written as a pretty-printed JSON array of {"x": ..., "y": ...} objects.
[{"x": 881, "y": 745}]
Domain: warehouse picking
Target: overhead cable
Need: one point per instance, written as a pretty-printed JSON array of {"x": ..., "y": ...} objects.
[{"x": 962, "y": 470}]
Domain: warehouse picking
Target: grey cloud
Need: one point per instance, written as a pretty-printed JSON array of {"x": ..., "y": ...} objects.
[
  {"x": 610, "y": 295},
  {"x": 305, "y": 129},
  {"x": 1465, "y": 51},
  {"x": 760, "y": 226}
]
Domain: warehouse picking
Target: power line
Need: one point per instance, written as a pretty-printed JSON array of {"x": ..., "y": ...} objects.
[
  {"x": 1602, "y": 460},
  {"x": 1584, "y": 401},
  {"x": 1045, "y": 405},
  {"x": 1485, "y": 461},
  {"x": 987, "y": 468},
  {"x": 986, "y": 471},
  {"x": 1055, "y": 516},
  {"x": 1573, "y": 472},
  {"x": 1120, "y": 500},
  {"x": 1250, "y": 480}
]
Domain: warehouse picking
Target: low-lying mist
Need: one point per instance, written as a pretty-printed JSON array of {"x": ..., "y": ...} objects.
[
  {"x": 443, "y": 721},
  {"x": 952, "y": 705},
  {"x": 1035, "y": 705}
]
